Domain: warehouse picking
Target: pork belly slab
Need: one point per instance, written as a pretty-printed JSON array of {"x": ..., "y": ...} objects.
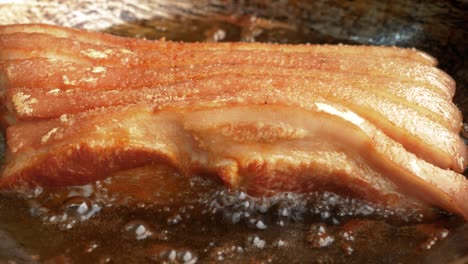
[{"x": 376, "y": 123}]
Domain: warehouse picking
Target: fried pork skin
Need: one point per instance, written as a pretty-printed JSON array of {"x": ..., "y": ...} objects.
[{"x": 375, "y": 123}]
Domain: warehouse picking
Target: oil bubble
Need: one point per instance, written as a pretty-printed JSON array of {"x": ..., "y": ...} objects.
[
  {"x": 77, "y": 206},
  {"x": 226, "y": 251},
  {"x": 281, "y": 243},
  {"x": 167, "y": 254},
  {"x": 433, "y": 233},
  {"x": 256, "y": 223},
  {"x": 347, "y": 248},
  {"x": 104, "y": 259},
  {"x": 318, "y": 236},
  {"x": 174, "y": 219},
  {"x": 137, "y": 229},
  {"x": 91, "y": 246},
  {"x": 74, "y": 210},
  {"x": 256, "y": 242}
]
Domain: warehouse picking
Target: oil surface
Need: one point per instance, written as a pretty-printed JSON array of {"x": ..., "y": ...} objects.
[{"x": 155, "y": 215}]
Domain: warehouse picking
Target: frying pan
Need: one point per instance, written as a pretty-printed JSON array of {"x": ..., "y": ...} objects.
[{"x": 439, "y": 28}]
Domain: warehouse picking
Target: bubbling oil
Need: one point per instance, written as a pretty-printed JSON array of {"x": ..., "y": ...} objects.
[{"x": 153, "y": 214}]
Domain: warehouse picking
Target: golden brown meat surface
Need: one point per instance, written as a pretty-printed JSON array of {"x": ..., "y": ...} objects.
[{"x": 370, "y": 122}]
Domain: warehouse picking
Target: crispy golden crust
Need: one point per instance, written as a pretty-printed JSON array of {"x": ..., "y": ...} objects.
[{"x": 373, "y": 122}]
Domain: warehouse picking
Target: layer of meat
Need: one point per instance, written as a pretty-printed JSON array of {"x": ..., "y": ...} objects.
[{"x": 370, "y": 122}]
